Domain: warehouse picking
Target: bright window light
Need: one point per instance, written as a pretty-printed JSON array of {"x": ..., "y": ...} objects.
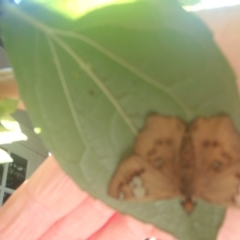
[
  {"x": 4, "y": 157},
  {"x": 209, "y": 4},
  {"x": 10, "y": 137},
  {"x": 10, "y": 131},
  {"x": 17, "y": 1}
]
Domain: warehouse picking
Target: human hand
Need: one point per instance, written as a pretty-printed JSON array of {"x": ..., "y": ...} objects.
[{"x": 51, "y": 206}]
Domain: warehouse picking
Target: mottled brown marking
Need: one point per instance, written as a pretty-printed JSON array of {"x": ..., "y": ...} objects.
[
  {"x": 188, "y": 205},
  {"x": 179, "y": 127},
  {"x": 196, "y": 163},
  {"x": 168, "y": 141},
  {"x": 238, "y": 175},
  {"x": 226, "y": 155},
  {"x": 194, "y": 127},
  {"x": 159, "y": 142},
  {"x": 151, "y": 152},
  {"x": 158, "y": 162},
  {"x": 217, "y": 165},
  {"x": 206, "y": 143}
]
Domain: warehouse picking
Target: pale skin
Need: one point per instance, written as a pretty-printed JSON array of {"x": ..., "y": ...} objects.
[{"x": 127, "y": 226}]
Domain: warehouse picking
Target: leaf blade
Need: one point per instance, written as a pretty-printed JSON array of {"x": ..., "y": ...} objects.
[{"x": 103, "y": 127}]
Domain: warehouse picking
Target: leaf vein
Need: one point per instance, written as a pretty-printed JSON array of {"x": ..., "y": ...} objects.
[
  {"x": 98, "y": 82},
  {"x": 128, "y": 66},
  {"x": 50, "y": 32},
  {"x": 67, "y": 93}
]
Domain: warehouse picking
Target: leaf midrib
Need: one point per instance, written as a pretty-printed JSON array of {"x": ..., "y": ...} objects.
[
  {"x": 54, "y": 33},
  {"x": 49, "y": 32}
]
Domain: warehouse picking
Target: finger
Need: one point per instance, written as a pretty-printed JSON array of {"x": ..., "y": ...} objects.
[
  {"x": 123, "y": 227},
  {"x": 41, "y": 201},
  {"x": 230, "y": 229},
  {"x": 82, "y": 222}
]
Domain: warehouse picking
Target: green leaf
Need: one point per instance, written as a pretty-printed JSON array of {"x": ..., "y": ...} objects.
[
  {"x": 189, "y": 2},
  {"x": 7, "y": 106},
  {"x": 75, "y": 8},
  {"x": 89, "y": 85}
]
